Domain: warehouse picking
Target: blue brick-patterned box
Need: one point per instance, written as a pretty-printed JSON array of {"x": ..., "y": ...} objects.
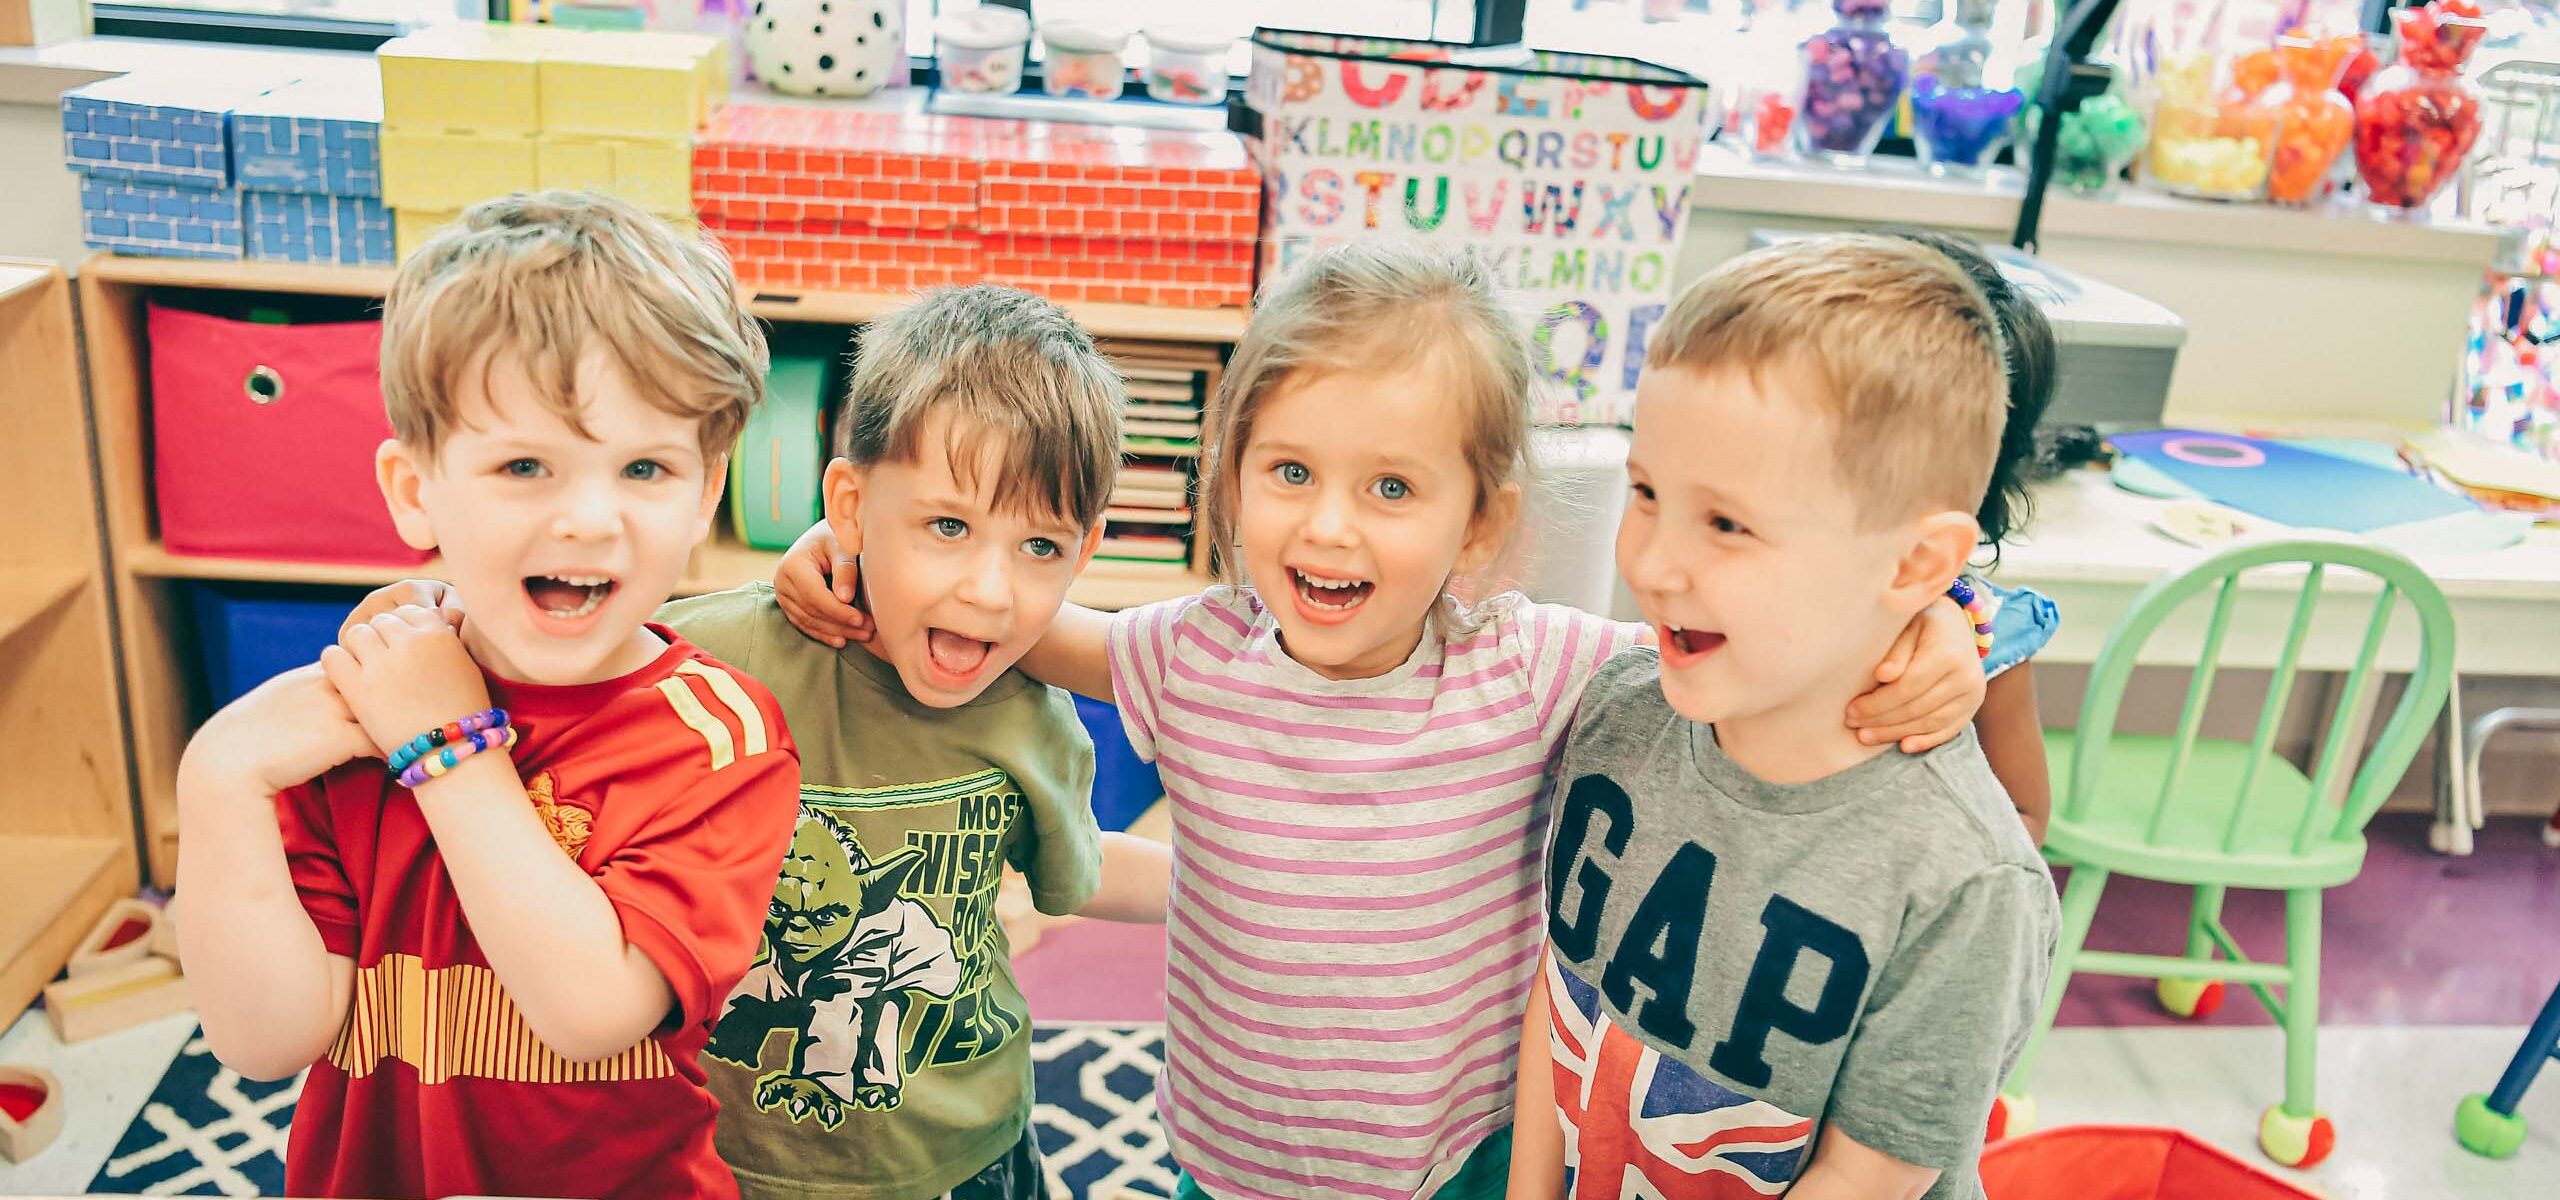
[
  {"x": 300, "y": 227},
  {"x": 312, "y": 135},
  {"x": 153, "y": 128},
  {"x": 160, "y": 221}
]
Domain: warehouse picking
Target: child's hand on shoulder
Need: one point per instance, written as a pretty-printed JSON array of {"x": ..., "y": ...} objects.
[
  {"x": 405, "y": 672},
  {"x": 422, "y": 593},
  {"x": 286, "y": 731},
  {"x": 815, "y": 586},
  {"x": 1929, "y": 686}
]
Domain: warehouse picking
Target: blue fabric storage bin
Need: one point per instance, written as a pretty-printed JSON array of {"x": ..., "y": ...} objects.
[
  {"x": 1124, "y": 785},
  {"x": 251, "y": 633}
]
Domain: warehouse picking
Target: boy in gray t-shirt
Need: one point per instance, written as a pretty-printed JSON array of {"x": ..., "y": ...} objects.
[{"x": 1781, "y": 960}]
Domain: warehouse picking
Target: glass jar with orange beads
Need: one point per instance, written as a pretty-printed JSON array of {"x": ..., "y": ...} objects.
[
  {"x": 2318, "y": 122},
  {"x": 2210, "y": 136}
]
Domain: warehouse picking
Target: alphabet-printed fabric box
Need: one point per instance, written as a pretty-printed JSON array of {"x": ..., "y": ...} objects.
[{"x": 1571, "y": 170}]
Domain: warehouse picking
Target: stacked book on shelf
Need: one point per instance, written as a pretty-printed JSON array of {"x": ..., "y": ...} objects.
[{"x": 1150, "y": 520}]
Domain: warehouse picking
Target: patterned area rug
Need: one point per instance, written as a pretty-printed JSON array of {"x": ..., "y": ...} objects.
[{"x": 207, "y": 1132}]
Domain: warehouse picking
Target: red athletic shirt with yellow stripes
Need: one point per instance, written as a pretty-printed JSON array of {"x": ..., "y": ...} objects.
[{"x": 676, "y": 788}]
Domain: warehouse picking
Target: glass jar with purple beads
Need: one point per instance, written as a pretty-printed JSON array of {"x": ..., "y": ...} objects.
[
  {"x": 1959, "y": 118},
  {"x": 1853, "y": 77}
]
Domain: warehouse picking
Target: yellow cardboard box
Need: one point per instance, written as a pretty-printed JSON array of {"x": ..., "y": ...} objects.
[
  {"x": 411, "y": 227},
  {"x": 449, "y": 172},
  {"x": 655, "y": 174},
  {"x": 631, "y": 84},
  {"x": 482, "y": 77}
]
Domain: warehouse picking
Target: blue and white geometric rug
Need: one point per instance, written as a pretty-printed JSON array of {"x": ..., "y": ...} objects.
[{"x": 207, "y": 1132}]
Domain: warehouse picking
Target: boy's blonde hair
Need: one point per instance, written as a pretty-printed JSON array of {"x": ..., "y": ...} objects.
[
  {"x": 1014, "y": 368},
  {"x": 1374, "y": 306},
  {"x": 540, "y": 279},
  {"x": 1899, "y": 346}
]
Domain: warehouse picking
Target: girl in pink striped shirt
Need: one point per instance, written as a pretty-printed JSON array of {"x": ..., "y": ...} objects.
[{"x": 1354, "y": 758}]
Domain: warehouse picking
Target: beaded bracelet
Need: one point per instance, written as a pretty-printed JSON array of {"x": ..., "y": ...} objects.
[
  {"x": 441, "y": 761},
  {"x": 445, "y": 734},
  {"x": 1976, "y": 607}
]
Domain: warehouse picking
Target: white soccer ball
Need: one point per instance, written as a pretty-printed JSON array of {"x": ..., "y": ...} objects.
[{"x": 826, "y": 47}]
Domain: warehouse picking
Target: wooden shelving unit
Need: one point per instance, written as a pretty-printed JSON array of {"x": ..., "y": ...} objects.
[
  {"x": 157, "y": 637},
  {"x": 66, "y": 822}
]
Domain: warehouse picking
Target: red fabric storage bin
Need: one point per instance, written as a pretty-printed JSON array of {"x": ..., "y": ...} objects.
[
  {"x": 264, "y": 438},
  {"x": 2124, "y": 1162}
]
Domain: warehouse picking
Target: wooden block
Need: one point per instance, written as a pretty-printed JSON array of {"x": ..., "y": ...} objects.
[
  {"x": 104, "y": 1002},
  {"x": 123, "y": 935},
  {"x": 30, "y": 1112},
  {"x": 164, "y": 934}
]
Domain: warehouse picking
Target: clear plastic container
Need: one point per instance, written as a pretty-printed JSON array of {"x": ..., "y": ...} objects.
[
  {"x": 981, "y": 50},
  {"x": 1083, "y": 59},
  {"x": 1187, "y": 66}
]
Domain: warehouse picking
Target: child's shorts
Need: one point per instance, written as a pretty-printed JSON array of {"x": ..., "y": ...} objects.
[
  {"x": 1486, "y": 1174},
  {"x": 1016, "y": 1176}
]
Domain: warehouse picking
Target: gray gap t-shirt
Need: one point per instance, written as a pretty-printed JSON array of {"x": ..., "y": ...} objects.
[{"x": 1738, "y": 964}]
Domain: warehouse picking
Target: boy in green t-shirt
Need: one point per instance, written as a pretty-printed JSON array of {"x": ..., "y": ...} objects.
[{"x": 877, "y": 1048}]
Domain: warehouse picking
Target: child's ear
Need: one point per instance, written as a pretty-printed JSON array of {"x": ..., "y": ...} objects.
[
  {"x": 1941, "y": 545},
  {"x": 842, "y": 487},
  {"x": 1092, "y": 542},
  {"x": 1491, "y": 529},
  {"x": 396, "y": 469},
  {"x": 716, "y": 481}
]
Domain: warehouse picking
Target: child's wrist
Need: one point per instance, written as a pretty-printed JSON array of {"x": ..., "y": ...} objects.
[{"x": 430, "y": 755}]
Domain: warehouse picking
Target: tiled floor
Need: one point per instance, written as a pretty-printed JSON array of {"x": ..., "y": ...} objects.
[{"x": 104, "y": 1082}]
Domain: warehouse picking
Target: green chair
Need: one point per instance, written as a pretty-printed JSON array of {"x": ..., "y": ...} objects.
[{"x": 2217, "y": 815}]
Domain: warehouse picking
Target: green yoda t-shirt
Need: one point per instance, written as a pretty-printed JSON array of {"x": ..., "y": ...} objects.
[{"x": 878, "y": 1048}]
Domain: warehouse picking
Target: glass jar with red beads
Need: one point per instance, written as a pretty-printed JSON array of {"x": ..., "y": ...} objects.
[{"x": 2416, "y": 120}]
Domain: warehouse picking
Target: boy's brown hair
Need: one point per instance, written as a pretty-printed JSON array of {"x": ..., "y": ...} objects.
[
  {"x": 541, "y": 279},
  {"x": 1021, "y": 377},
  {"x": 1897, "y": 343}
]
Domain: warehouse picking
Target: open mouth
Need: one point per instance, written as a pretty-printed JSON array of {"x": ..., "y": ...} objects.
[
  {"x": 568, "y": 597},
  {"x": 955, "y": 655},
  {"x": 1684, "y": 647},
  {"x": 1326, "y": 595}
]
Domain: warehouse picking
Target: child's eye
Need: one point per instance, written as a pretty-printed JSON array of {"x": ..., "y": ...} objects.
[
  {"x": 1643, "y": 491},
  {"x": 1293, "y": 474},
  {"x": 645, "y": 470},
  {"x": 950, "y": 527},
  {"x": 524, "y": 468},
  {"x": 1042, "y": 548},
  {"x": 1392, "y": 488},
  {"x": 1723, "y": 524}
]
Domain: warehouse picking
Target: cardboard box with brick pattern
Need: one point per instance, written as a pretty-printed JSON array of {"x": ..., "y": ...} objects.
[{"x": 855, "y": 201}]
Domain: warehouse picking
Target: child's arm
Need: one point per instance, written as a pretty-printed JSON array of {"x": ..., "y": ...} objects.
[
  {"x": 1844, "y": 1170},
  {"x": 554, "y": 940},
  {"x": 1537, "y": 1141},
  {"x": 1930, "y": 683},
  {"x": 269, "y": 992},
  {"x": 816, "y": 582},
  {"x": 2013, "y": 739},
  {"x": 1136, "y": 875}
]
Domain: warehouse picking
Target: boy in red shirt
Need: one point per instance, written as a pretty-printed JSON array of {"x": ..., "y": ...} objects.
[{"x": 492, "y": 884}]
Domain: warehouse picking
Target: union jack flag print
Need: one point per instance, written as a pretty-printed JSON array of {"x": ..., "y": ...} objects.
[{"x": 1639, "y": 1125}]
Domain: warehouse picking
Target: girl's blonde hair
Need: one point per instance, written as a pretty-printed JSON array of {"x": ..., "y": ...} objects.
[{"x": 1376, "y": 305}]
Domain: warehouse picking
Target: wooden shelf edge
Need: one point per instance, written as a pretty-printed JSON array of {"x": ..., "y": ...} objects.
[
  {"x": 47, "y": 875},
  {"x": 27, "y": 594},
  {"x": 1123, "y": 321},
  {"x": 718, "y": 565}
]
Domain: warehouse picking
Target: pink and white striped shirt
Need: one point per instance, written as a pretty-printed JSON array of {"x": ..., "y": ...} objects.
[{"x": 1355, "y": 914}]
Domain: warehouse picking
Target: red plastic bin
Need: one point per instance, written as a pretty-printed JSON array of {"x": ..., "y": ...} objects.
[
  {"x": 264, "y": 438},
  {"x": 2124, "y": 1162}
]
